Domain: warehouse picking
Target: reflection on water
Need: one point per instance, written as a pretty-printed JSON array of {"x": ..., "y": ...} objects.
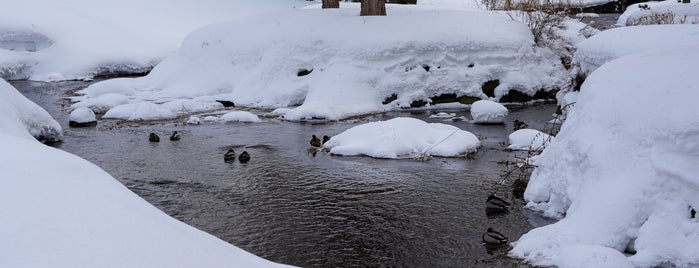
[{"x": 289, "y": 206}]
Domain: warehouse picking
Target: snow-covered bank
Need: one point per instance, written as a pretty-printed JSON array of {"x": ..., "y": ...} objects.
[
  {"x": 403, "y": 137},
  {"x": 615, "y": 43},
  {"x": 301, "y": 60},
  {"x": 669, "y": 11},
  {"x": 623, "y": 173},
  {"x": 62, "y": 211},
  {"x": 75, "y": 39}
]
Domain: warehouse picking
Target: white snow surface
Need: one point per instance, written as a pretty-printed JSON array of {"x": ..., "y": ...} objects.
[
  {"x": 403, "y": 137},
  {"x": 240, "y": 116},
  {"x": 528, "y": 140},
  {"x": 50, "y": 40},
  {"x": 62, "y": 211},
  {"x": 82, "y": 115},
  {"x": 19, "y": 115},
  {"x": 488, "y": 112},
  {"x": 194, "y": 120},
  {"x": 255, "y": 62},
  {"x": 615, "y": 43},
  {"x": 623, "y": 172},
  {"x": 683, "y": 12}
]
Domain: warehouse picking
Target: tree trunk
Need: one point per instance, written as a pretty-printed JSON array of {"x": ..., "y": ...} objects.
[
  {"x": 331, "y": 3},
  {"x": 373, "y": 8}
]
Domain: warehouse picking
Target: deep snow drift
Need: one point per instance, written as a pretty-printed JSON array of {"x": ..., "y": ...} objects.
[
  {"x": 52, "y": 40},
  {"x": 621, "y": 173},
  {"x": 62, "y": 211},
  {"x": 333, "y": 64},
  {"x": 403, "y": 137}
]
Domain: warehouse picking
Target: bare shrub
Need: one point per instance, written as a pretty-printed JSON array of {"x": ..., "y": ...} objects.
[{"x": 665, "y": 17}]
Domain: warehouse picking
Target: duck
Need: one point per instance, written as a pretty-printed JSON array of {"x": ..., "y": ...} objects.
[
  {"x": 326, "y": 138},
  {"x": 692, "y": 213},
  {"x": 493, "y": 237},
  {"x": 226, "y": 104},
  {"x": 520, "y": 125},
  {"x": 229, "y": 156},
  {"x": 315, "y": 141},
  {"x": 175, "y": 136},
  {"x": 496, "y": 203},
  {"x": 153, "y": 138},
  {"x": 244, "y": 157},
  {"x": 518, "y": 188}
]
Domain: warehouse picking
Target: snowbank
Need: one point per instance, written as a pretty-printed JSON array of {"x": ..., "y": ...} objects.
[
  {"x": 75, "y": 39},
  {"x": 62, "y": 211},
  {"x": 681, "y": 13},
  {"x": 620, "y": 173},
  {"x": 240, "y": 116},
  {"x": 528, "y": 140},
  {"x": 403, "y": 137},
  {"x": 20, "y": 115},
  {"x": 300, "y": 60},
  {"x": 615, "y": 43},
  {"x": 488, "y": 112}
]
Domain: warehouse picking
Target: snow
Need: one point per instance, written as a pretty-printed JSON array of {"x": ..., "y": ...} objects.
[
  {"x": 20, "y": 115},
  {"x": 50, "y": 40},
  {"x": 615, "y": 43},
  {"x": 102, "y": 103},
  {"x": 255, "y": 62},
  {"x": 683, "y": 12},
  {"x": 623, "y": 173},
  {"x": 240, "y": 116},
  {"x": 62, "y": 211},
  {"x": 488, "y": 112},
  {"x": 82, "y": 115},
  {"x": 403, "y": 137},
  {"x": 528, "y": 140},
  {"x": 194, "y": 120}
]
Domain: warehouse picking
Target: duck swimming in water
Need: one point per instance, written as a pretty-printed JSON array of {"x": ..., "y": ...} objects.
[
  {"x": 244, "y": 157},
  {"x": 175, "y": 136},
  {"x": 153, "y": 138},
  {"x": 520, "y": 125},
  {"x": 326, "y": 138},
  {"x": 495, "y": 203},
  {"x": 315, "y": 141},
  {"x": 493, "y": 237},
  {"x": 229, "y": 156}
]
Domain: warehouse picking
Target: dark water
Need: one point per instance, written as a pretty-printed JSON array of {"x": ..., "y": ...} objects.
[{"x": 313, "y": 211}]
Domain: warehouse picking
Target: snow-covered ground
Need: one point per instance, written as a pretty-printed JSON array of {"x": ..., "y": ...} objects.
[
  {"x": 683, "y": 13},
  {"x": 52, "y": 40},
  {"x": 62, "y": 211},
  {"x": 403, "y": 137},
  {"x": 623, "y": 176},
  {"x": 333, "y": 64}
]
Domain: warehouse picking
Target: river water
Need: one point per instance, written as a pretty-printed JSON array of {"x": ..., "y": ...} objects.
[{"x": 292, "y": 207}]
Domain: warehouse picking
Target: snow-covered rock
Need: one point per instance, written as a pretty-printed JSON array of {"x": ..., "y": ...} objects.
[
  {"x": 194, "y": 120},
  {"x": 403, "y": 137},
  {"x": 619, "y": 173},
  {"x": 62, "y": 211},
  {"x": 240, "y": 116},
  {"x": 443, "y": 115},
  {"x": 82, "y": 117},
  {"x": 19, "y": 115},
  {"x": 299, "y": 59},
  {"x": 615, "y": 43},
  {"x": 681, "y": 12},
  {"x": 139, "y": 111},
  {"x": 528, "y": 140},
  {"x": 488, "y": 112}
]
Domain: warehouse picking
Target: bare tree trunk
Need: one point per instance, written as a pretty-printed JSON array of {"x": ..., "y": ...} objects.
[
  {"x": 373, "y": 8},
  {"x": 331, "y": 3}
]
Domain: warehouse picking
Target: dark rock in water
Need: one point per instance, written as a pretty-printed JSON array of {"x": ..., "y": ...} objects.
[
  {"x": 153, "y": 138},
  {"x": 493, "y": 237},
  {"x": 390, "y": 99},
  {"x": 226, "y": 104},
  {"x": 451, "y": 98},
  {"x": 518, "y": 188},
  {"x": 515, "y": 96},
  {"x": 471, "y": 65},
  {"x": 418, "y": 103},
  {"x": 542, "y": 94},
  {"x": 175, "y": 136},
  {"x": 488, "y": 88},
  {"x": 326, "y": 138},
  {"x": 304, "y": 72},
  {"x": 315, "y": 141},
  {"x": 83, "y": 124},
  {"x": 244, "y": 157},
  {"x": 426, "y": 67},
  {"x": 631, "y": 247},
  {"x": 467, "y": 99},
  {"x": 519, "y": 125},
  {"x": 229, "y": 156}
]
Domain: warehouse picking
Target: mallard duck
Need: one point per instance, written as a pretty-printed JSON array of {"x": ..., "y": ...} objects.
[
  {"x": 496, "y": 203},
  {"x": 175, "y": 136},
  {"x": 229, "y": 156},
  {"x": 244, "y": 157},
  {"x": 493, "y": 237},
  {"x": 326, "y": 138},
  {"x": 153, "y": 138},
  {"x": 226, "y": 104},
  {"x": 520, "y": 125},
  {"x": 315, "y": 141}
]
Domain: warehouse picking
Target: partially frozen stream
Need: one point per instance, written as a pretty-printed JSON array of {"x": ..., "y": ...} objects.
[{"x": 312, "y": 211}]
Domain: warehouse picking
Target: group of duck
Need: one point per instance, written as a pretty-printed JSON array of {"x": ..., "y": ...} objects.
[
  {"x": 495, "y": 205},
  {"x": 230, "y": 156}
]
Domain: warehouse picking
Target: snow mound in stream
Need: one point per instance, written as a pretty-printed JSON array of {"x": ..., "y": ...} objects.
[{"x": 623, "y": 173}]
